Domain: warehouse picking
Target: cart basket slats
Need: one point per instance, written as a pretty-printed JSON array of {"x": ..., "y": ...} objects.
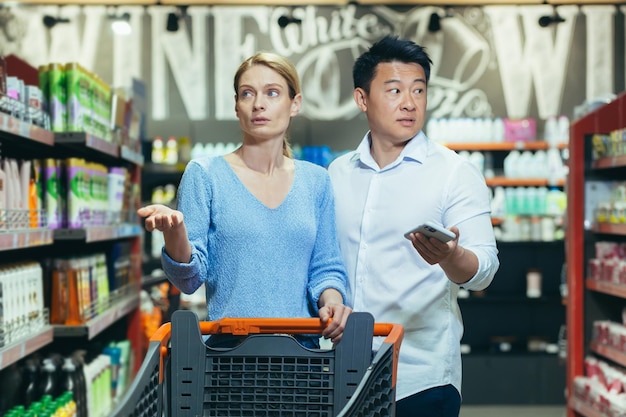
[{"x": 268, "y": 374}]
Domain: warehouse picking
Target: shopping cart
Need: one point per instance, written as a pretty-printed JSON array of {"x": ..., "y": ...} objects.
[{"x": 268, "y": 374}]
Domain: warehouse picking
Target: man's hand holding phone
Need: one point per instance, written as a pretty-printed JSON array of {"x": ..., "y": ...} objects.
[{"x": 431, "y": 229}]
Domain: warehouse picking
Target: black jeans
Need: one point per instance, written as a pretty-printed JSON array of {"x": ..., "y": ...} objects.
[{"x": 444, "y": 401}]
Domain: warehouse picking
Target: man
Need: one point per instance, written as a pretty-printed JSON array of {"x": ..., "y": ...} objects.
[{"x": 395, "y": 180}]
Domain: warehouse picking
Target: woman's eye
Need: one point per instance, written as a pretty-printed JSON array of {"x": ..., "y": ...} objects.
[
  {"x": 246, "y": 93},
  {"x": 273, "y": 93}
]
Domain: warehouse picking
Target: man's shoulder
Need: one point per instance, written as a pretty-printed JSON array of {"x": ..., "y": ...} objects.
[{"x": 342, "y": 161}]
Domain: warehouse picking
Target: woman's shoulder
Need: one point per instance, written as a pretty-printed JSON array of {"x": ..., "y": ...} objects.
[{"x": 205, "y": 163}]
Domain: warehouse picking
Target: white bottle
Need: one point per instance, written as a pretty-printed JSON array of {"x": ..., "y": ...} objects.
[
  {"x": 158, "y": 155},
  {"x": 563, "y": 130},
  {"x": 219, "y": 148},
  {"x": 171, "y": 151},
  {"x": 539, "y": 165},
  {"x": 489, "y": 171},
  {"x": 197, "y": 151},
  {"x": 524, "y": 164},
  {"x": 550, "y": 132},
  {"x": 497, "y": 130},
  {"x": 511, "y": 164},
  {"x": 556, "y": 171},
  {"x": 209, "y": 149},
  {"x": 498, "y": 203}
]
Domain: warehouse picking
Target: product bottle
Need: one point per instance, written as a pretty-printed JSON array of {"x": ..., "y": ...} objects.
[
  {"x": 70, "y": 385},
  {"x": 48, "y": 381},
  {"x": 31, "y": 377},
  {"x": 171, "y": 151},
  {"x": 158, "y": 154},
  {"x": 80, "y": 384}
]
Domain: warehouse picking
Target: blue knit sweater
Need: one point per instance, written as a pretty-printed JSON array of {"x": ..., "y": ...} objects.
[{"x": 256, "y": 261}]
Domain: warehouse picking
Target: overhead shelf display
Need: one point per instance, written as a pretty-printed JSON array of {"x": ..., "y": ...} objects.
[
  {"x": 22, "y": 348},
  {"x": 95, "y": 326}
]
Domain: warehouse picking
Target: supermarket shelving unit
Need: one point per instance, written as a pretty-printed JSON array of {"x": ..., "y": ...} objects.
[{"x": 588, "y": 300}]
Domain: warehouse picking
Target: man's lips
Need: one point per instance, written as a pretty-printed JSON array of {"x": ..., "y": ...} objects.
[{"x": 406, "y": 121}]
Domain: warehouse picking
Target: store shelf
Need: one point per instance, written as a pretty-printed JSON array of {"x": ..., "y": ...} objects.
[
  {"x": 609, "y": 228},
  {"x": 504, "y": 299},
  {"x": 20, "y": 349},
  {"x": 19, "y": 129},
  {"x": 25, "y": 239},
  {"x": 617, "y": 290},
  {"x": 502, "y": 146},
  {"x": 609, "y": 353},
  {"x": 98, "y": 324},
  {"x": 99, "y": 233},
  {"x": 152, "y": 168},
  {"x": 523, "y": 182},
  {"x": 581, "y": 308},
  {"x": 86, "y": 145},
  {"x": 131, "y": 155},
  {"x": 612, "y": 162}
]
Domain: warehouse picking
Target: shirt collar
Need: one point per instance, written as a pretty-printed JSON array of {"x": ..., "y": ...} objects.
[{"x": 415, "y": 150}]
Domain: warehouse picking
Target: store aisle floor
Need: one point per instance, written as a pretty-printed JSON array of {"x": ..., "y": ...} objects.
[{"x": 512, "y": 411}]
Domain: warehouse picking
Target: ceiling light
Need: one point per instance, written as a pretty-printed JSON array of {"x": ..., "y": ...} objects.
[
  {"x": 545, "y": 21},
  {"x": 172, "y": 22},
  {"x": 120, "y": 24},
  {"x": 50, "y": 21},
  {"x": 434, "y": 22},
  {"x": 172, "y": 18},
  {"x": 283, "y": 21}
]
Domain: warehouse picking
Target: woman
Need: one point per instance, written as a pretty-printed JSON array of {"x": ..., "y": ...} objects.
[{"x": 256, "y": 226}]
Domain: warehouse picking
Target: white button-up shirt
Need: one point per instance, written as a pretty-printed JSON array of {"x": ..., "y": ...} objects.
[{"x": 387, "y": 277}]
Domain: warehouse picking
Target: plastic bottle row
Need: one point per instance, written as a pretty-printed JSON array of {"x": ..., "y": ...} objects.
[
  {"x": 21, "y": 301},
  {"x": 91, "y": 380},
  {"x": 84, "y": 287},
  {"x": 528, "y": 201},
  {"x": 540, "y": 164},
  {"x": 496, "y": 130},
  {"x": 176, "y": 151},
  {"x": 62, "y": 193},
  {"x": 61, "y": 406}
]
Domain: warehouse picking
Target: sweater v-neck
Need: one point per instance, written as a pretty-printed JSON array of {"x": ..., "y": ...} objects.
[{"x": 235, "y": 178}]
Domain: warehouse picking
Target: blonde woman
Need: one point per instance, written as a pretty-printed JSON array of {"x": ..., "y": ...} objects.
[{"x": 256, "y": 226}]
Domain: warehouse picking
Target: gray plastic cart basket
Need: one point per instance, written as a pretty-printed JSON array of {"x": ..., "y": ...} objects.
[{"x": 268, "y": 374}]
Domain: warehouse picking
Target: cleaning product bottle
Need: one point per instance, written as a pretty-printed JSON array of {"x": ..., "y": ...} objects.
[
  {"x": 31, "y": 377},
  {"x": 48, "y": 382}
]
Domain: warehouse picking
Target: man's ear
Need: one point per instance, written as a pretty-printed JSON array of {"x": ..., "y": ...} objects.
[{"x": 360, "y": 98}]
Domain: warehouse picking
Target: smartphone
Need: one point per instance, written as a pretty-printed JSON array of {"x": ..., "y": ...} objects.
[{"x": 431, "y": 229}]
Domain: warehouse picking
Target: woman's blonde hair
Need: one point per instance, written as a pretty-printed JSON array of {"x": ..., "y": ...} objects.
[{"x": 283, "y": 67}]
